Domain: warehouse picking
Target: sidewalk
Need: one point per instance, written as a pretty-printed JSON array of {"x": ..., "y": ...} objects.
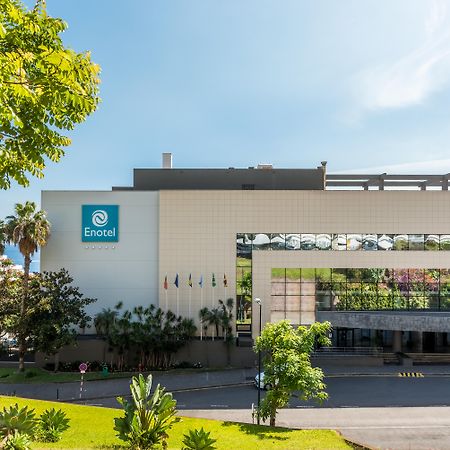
[{"x": 121, "y": 387}]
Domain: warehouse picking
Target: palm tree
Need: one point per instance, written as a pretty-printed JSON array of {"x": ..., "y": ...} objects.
[
  {"x": 3, "y": 236},
  {"x": 29, "y": 229}
]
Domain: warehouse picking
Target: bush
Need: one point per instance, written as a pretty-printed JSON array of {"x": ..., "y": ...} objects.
[
  {"x": 52, "y": 423},
  {"x": 198, "y": 440},
  {"x": 17, "y": 441},
  {"x": 148, "y": 416},
  {"x": 15, "y": 420}
]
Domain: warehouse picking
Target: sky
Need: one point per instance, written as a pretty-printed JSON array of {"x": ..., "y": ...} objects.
[{"x": 362, "y": 85}]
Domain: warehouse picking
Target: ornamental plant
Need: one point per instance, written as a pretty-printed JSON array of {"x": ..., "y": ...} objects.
[
  {"x": 148, "y": 417},
  {"x": 198, "y": 440}
]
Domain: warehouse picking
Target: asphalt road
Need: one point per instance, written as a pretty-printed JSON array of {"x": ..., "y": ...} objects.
[{"x": 344, "y": 392}]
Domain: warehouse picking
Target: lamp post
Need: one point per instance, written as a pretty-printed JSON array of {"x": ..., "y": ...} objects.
[{"x": 258, "y": 302}]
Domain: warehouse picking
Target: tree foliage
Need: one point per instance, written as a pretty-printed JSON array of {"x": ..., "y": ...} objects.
[
  {"x": 53, "y": 309},
  {"x": 287, "y": 364},
  {"x": 45, "y": 89},
  {"x": 152, "y": 334}
]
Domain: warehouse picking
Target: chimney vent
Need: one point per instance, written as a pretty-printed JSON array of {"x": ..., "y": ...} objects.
[{"x": 167, "y": 160}]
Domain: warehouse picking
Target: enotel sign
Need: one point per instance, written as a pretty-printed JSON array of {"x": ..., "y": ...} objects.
[{"x": 100, "y": 223}]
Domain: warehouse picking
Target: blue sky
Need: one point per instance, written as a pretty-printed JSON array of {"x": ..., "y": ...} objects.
[{"x": 362, "y": 85}]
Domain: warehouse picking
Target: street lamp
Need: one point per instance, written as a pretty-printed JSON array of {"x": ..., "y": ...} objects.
[{"x": 258, "y": 302}]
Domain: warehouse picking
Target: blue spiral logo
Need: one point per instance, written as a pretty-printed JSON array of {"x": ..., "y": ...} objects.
[{"x": 100, "y": 218}]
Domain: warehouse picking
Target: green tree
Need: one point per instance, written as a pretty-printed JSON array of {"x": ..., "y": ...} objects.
[
  {"x": 3, "y": 236},
  {"x": 29, "y": 229},
  {"x": 45, "y": 89},
  {"x": 53, "y": 308},
  {"x": 287, "y": 364}
]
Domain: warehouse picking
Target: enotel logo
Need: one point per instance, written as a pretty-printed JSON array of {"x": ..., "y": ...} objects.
[
  {"x": 100, "y": 223},
  {"x": 100, "y": 218}
]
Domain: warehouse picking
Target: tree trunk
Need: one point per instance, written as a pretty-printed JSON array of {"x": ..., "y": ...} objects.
[
  {"x": 272, "y": 420},
  {"x": 56, "y": 361},
  {"x": 21, "y": 338}
]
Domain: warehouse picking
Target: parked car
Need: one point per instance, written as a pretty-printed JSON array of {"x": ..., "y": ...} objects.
[{"x": 259, "y": 382}]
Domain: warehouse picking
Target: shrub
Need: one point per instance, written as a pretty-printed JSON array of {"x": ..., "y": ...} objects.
[
  {"x": 52, "y": 423},
  {"x": 198, "y": 440},
  {"x": 16, "y": 441},
  {"x": 148, "y": 416},
  {"x": 15, "y": 420}
]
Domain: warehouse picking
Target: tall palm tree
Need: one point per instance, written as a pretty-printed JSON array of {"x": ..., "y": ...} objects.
[
  {"x": 3, "y": 237},
  {"x": 29, "y": 229}
]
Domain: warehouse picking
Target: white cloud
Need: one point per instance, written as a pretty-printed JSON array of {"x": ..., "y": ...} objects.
[{"x": 415, "y": 76}]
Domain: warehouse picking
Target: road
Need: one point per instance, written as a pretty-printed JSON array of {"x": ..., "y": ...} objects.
[{"x": 344, "y": 392}]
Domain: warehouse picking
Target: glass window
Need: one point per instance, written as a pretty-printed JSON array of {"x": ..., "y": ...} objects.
[
  {"x": 400, "y": 242},
  {"x": 432, "y": 242},
  {"x": 261, "y": 241},
  {"x": 308, "y": 275},
  {"x": 292, "y": 303},
  {"x": 293, "y": 317},
  {"x": 416, "y": 242},
  {"x": 354, "y": 241},
  {"x": 278, "y": 303},
  {"x": 293, "y": 288},
  {"x": 308, "y": 241},
  {"x": 243, "y": 246},
  {"x": 278, "y": 241},
  {"x": 323, "y": 274},
  {"x": 369, "y": 242},
  {"x": 339, "y": 242},
  {"x": 339, "y": 275},
  {"x": 444, "y": 242},
  {"x": 385, "y": 241},
  {"x": 308, "y": 288},
  {"x": 323, "y": 242},
  {"x": 278, "y": 288},
  {"x": 292, "y": 242},
  {"x": 419, "y": 302},
  {"x": 278, "y": 274},
  {"x": 292, "y": 275}
]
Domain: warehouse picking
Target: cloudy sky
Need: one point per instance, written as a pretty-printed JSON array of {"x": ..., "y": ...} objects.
[{"x": 361, "y": 84}]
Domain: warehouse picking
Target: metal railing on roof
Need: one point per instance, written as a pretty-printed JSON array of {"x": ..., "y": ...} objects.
[{"x": 382, "y": 181}]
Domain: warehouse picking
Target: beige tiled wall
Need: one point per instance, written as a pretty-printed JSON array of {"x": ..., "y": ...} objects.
[{"x": 198, "y": 231}]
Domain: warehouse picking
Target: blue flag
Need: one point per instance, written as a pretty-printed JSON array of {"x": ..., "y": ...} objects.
[
  {"x": 176, "y": 281},
  {"x": 201, "y": 281}
]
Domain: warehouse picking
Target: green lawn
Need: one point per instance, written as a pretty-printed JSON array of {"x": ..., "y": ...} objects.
[
  {"x": 92, "y": 427},
  {"x": 36, "y": 375}
]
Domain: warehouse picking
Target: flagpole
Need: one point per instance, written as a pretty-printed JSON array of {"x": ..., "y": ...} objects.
[
  {"x": 201, "y": 307},
  {"x": 190, "y": 299},
  {"x": 178, "y": 303},
  {"x": 167, "y": 302}
]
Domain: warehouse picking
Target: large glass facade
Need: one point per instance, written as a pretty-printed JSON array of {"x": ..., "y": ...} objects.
[
  {"x": 345, "y": 241},
  {"x": 296, "y": 293},
  {"x": 359, "y": 289}
]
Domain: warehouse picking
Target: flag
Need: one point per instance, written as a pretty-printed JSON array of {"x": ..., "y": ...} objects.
[
  {"x": 166, "y": 285},
  {"x": 176, "y": 281},
  {"x": 190, "y": 280},
  {"x": 213, "y": 281},
  {"x": 200, "y": 283},
  {"x": 225, "y": 281}
]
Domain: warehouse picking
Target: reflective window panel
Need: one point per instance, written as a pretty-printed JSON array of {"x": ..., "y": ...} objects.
[
  {"x": 369, "y": 242},
  {"x": 308, "y": 241},
  {"x": 354, "y": 242},
  {"x": 385, "y": 241},
  {"x": 339, "y": 241},
  {"x": 323, "y": 241},
  {"x": 416, "y": 242},
  {"x": 292, "y": 241}
]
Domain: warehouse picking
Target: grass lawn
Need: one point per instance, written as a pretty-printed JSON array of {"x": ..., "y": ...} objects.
[
  {"x": 37, "y": 375},
  {"x": 92, "y": 427}
]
